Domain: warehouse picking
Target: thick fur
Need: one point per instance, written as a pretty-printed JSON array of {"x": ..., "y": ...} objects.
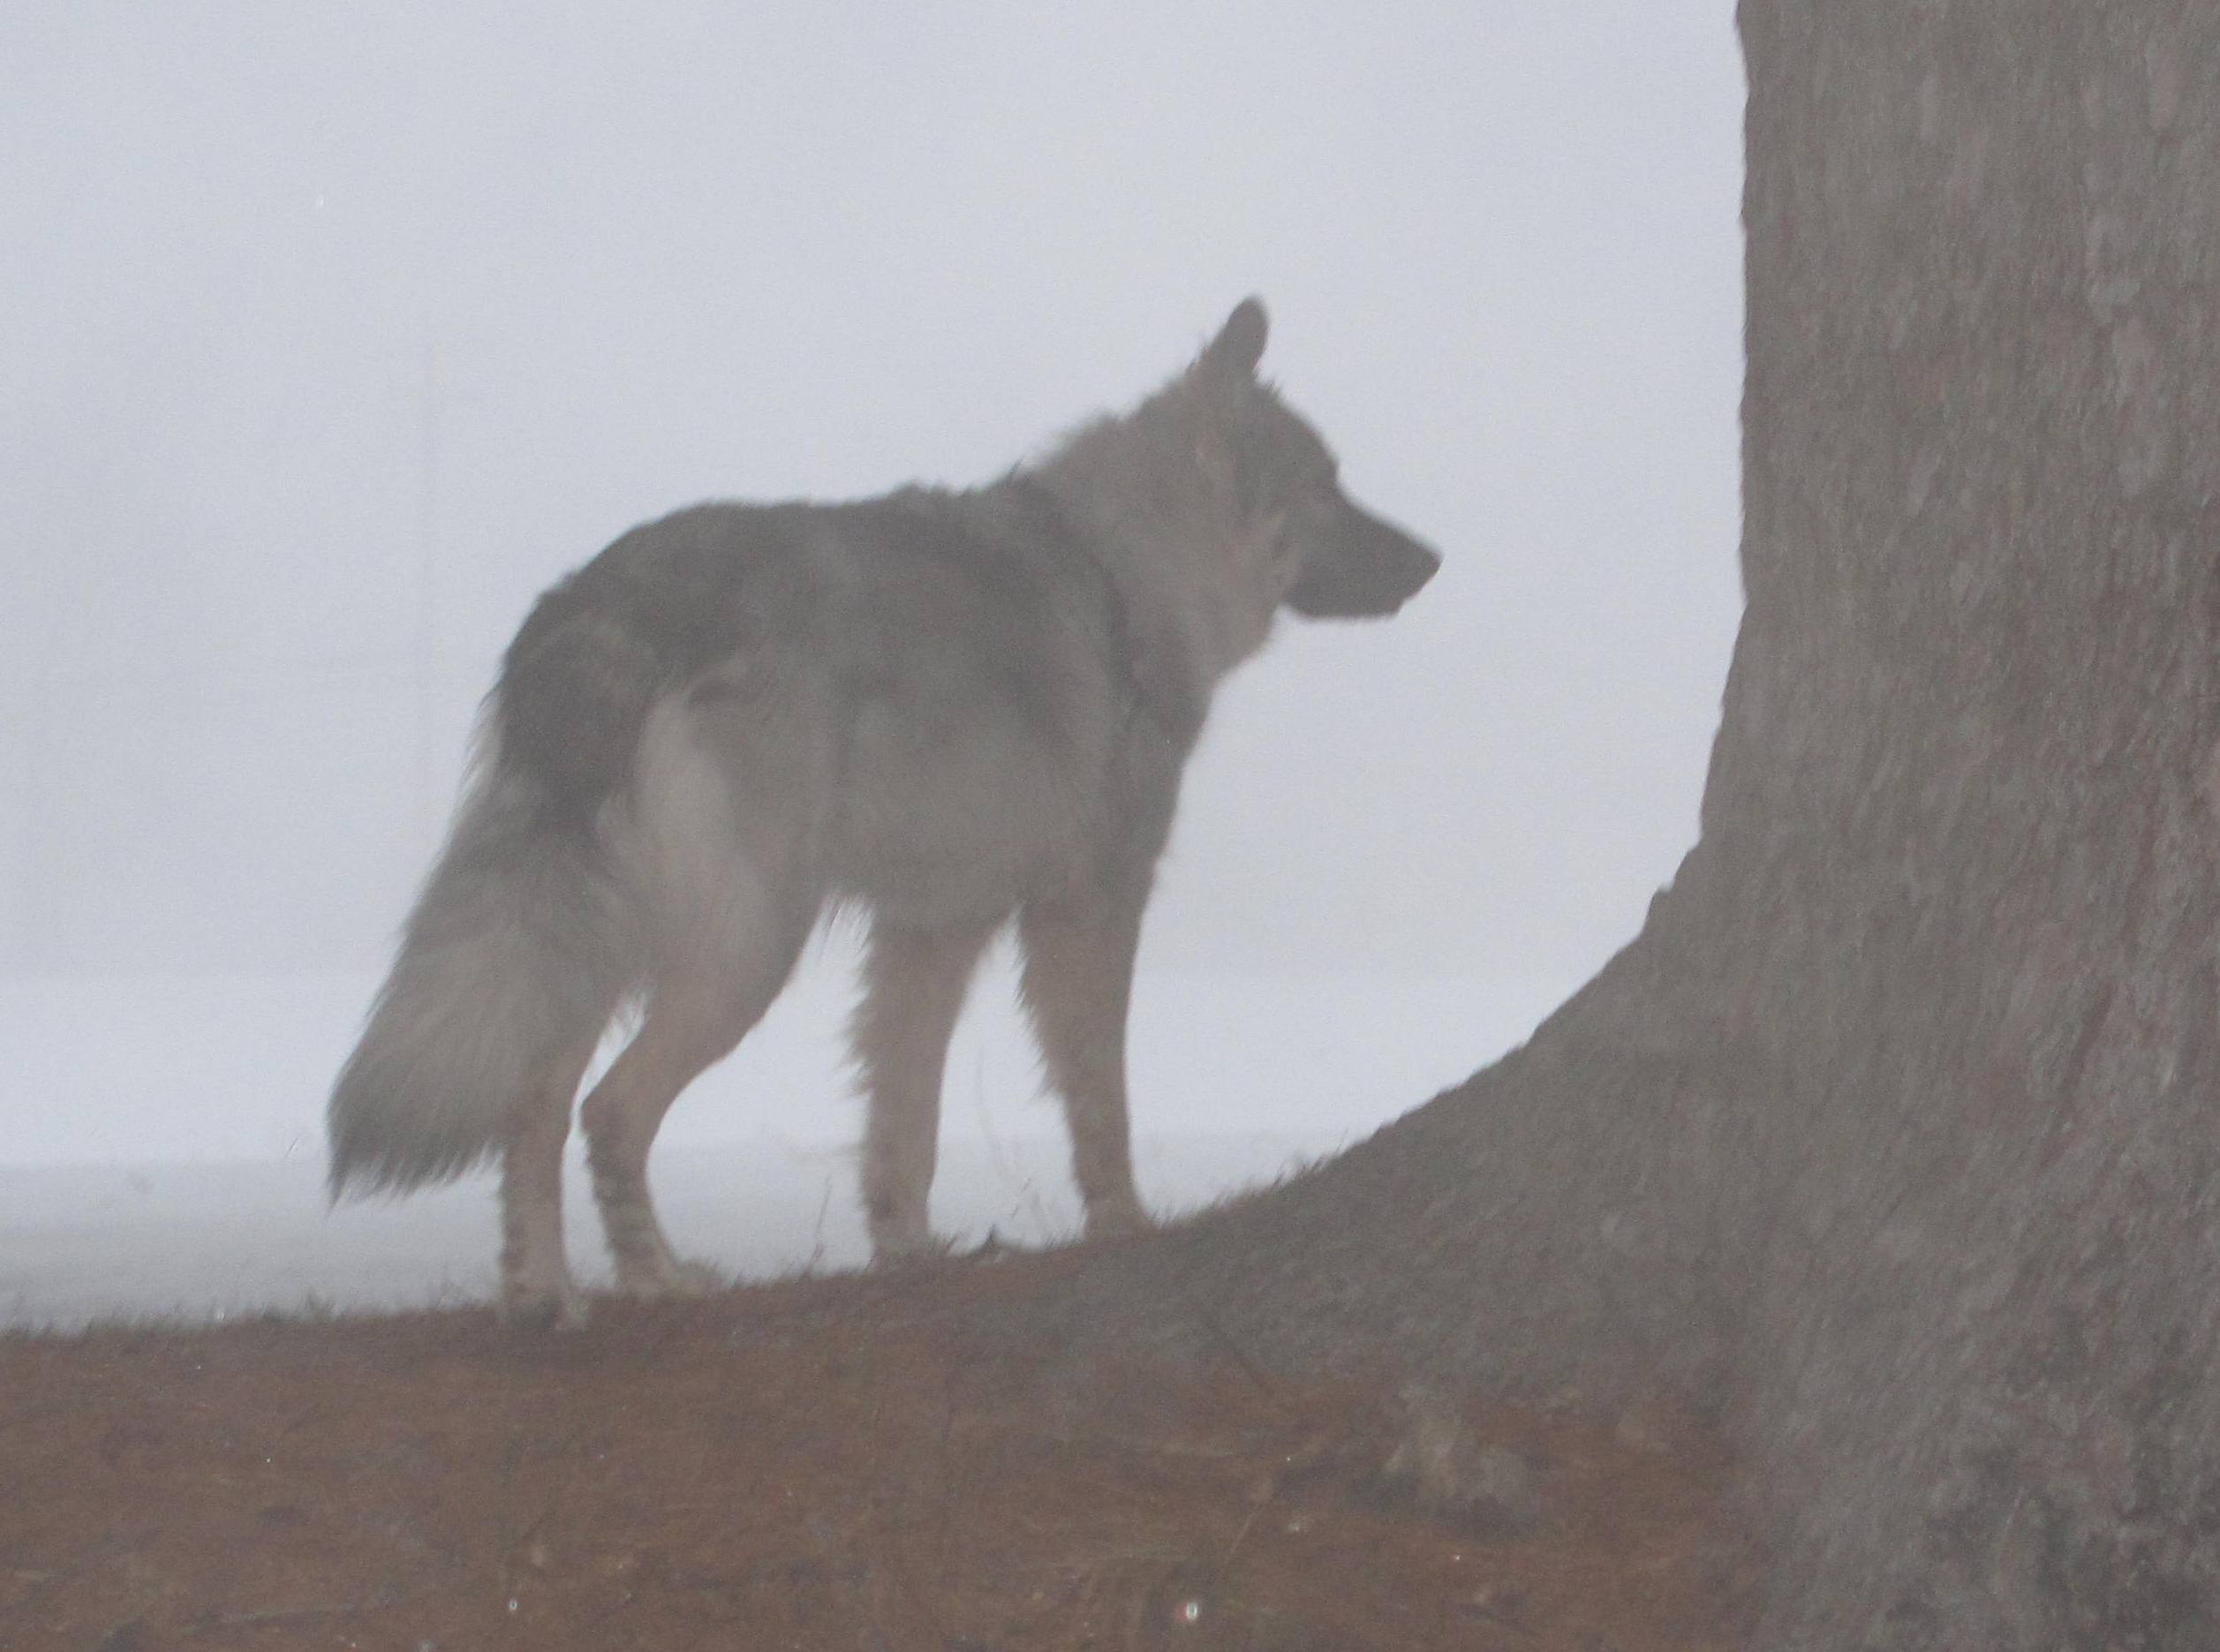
[
  {"x": 517, "y": 945},
  {"x": 952, "y": 709}
]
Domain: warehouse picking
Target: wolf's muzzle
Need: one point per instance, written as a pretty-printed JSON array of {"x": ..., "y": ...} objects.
[{"x": 1364, "y": 569}]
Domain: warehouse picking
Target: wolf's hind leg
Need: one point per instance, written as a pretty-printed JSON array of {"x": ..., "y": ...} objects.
[
  {"x": 690, "y": 1025},
  {"x": 1078, "y": 985},
  {"x": 725, "y": 794},
  {"x": 536, "y": 1287},
  {"x": 914, "y": 983}
]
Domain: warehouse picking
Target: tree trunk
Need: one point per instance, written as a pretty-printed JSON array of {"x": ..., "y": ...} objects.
[{"x": 1894, "y": 1133}]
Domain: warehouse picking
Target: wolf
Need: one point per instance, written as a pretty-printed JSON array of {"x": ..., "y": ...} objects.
[{"x": 953, "y": 710}]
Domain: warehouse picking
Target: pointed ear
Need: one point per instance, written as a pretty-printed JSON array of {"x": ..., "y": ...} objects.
[{"x": 1239, "y": 343}]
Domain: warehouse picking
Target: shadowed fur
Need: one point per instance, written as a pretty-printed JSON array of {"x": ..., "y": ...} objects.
[{"x": 952, "y": 709}]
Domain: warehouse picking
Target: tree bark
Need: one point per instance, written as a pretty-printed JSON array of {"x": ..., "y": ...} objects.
[{"x": 1894, "y": 1135}]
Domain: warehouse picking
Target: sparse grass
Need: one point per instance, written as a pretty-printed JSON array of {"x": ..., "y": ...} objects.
[{"x": 815, "y": 1463}]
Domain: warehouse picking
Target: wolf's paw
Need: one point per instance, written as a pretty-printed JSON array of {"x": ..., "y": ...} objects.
[
  {"x": 1122, "y": 1218},
  {"x": 900, "y": 1239},
  {"x": 669, "y": 1278},
  {"x": 535, "y": 1306},
  {"x": 697, "y": 1278},
  {"x": 920, "y": 1250}
]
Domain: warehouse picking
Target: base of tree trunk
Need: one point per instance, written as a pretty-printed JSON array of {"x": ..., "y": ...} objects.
[{"x": 1893, "y": 1138}]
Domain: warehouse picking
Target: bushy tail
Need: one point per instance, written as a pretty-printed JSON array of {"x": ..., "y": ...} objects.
[{"x": 514, "y": 956}]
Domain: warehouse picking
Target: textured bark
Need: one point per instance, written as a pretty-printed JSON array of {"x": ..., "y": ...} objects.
[{"x": 1894, "y": 1133}]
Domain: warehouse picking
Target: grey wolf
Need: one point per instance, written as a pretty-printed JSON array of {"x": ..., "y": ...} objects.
[{"x": 953, "y": 710}]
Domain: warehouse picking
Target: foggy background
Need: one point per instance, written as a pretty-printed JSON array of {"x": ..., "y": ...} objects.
[{"x": 334, "y": 335}]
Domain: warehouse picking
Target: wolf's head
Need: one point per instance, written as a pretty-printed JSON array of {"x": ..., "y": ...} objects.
[
  {"x": 1314, "y": 547},
  {"x": 1223, "y": 507}
]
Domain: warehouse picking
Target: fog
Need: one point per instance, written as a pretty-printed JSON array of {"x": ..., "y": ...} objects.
[{"x": 334, "y": 335}]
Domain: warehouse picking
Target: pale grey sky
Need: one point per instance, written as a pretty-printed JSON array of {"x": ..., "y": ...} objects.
[{"x": 337, "y": 333}]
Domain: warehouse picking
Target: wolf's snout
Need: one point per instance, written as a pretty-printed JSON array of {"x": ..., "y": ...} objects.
[
  {"x": 1410, "y": 565},
  {"x": 1367, "y": 569}
]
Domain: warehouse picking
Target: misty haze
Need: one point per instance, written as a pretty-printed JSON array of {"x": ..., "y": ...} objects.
[
  {"x": 1470, "y": 755},
  {"x": 336, "y": 338}
]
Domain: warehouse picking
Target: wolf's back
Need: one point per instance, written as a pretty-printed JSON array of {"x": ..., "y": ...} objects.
[{"x": 661, "y": 604}]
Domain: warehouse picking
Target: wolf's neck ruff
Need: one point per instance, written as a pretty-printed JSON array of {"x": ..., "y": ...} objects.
[{"x": 1158, "y": 695}]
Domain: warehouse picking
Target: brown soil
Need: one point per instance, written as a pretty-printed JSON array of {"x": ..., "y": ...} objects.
[{"x": 823, "y": 1464}]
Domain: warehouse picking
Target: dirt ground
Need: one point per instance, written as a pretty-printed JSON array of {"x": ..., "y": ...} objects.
[{"x": 825, "y": 1464}]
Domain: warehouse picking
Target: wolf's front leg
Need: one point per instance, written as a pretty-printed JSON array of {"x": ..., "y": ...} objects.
[
  {"x": 1078, "y": 985},
  {"x": 914, "y": 983}
]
